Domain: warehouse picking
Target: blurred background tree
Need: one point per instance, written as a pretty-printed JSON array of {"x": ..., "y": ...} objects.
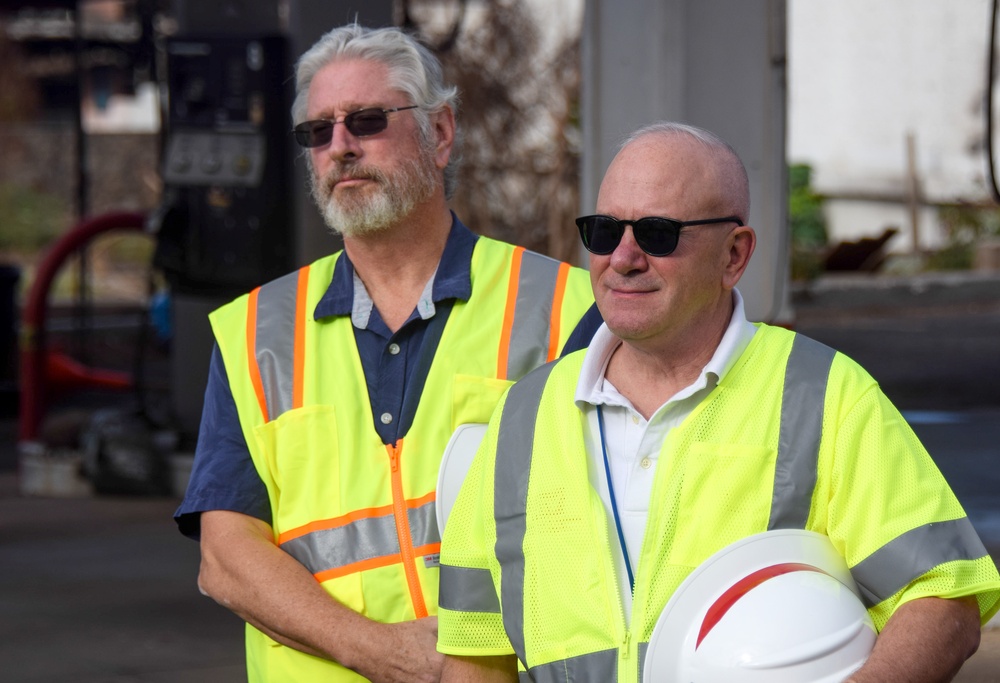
[
  {"x": 30, "y": 217},
  {"x": 965, "y": 227},
  {"x": 519, "y": 84}
]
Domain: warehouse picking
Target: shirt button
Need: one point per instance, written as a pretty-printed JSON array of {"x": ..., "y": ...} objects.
[
  {"x": 645, "y": 463},
  {"x": 635, "y": 419},
  {"x": 386, "y": 418},
  {"x": 393, "y": 349}
]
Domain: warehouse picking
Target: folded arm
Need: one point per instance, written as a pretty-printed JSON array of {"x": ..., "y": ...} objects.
[
  {"x": 479, "y": 669},
  {"x": 243, "y": 570}
]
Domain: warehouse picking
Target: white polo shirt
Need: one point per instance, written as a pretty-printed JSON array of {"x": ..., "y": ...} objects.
[{"x": 633, "y": 444}]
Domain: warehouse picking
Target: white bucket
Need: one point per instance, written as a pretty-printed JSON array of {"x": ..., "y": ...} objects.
[{"x": 56, "y": 473}]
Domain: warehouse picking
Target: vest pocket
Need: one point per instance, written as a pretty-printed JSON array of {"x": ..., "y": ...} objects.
[
  {"x": 725, "y": 496},
  {"x": 298, "y": 462},
  {"x": 298, "y": 459},
  {"x": 474, "y": 399}
]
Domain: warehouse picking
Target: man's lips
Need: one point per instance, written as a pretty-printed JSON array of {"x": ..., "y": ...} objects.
[
  {"x": 629, "y": 290},
  {"x": 350, "y": 182}
]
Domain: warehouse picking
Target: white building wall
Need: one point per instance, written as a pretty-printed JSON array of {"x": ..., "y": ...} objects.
[{"x": 863, "y": 76}]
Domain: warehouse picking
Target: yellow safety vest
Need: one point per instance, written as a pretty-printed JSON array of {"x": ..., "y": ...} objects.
[
  {"x": 364, "y": 523},
  {"x": 794, "y": 436}
]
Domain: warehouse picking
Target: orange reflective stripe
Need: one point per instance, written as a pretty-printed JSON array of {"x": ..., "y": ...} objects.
[
  {"x": 374, "y": 563},
  {"x": 557, "y": 301},
  {"x": 414, "y": 503},
  {"x": 353, "y": 516},
  {"x": 428, "y": 549},
  {"x": 333, "y": 523},
  {"x": 299, "y": 354},
  {"x": 409, "y": 557},
  {"x": 258, "y": 384},
  {"x": 508, "y": 314}
]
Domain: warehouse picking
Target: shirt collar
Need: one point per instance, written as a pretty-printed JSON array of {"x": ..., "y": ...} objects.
[
  {"x": 347, "y": 295},
  {"x": 590, "y": 388}
]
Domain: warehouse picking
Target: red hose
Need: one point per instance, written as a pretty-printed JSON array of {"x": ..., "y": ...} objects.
[{"x": 34, "y": 358}]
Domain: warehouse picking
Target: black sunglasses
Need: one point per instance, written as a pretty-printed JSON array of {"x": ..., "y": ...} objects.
[
  {"x": 656, "y": 236},
  {"x": 359, "y": 123}
]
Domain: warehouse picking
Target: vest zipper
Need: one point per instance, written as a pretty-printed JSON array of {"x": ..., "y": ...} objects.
[
  {"x": 626, "y": 669},
  {"x": 407, "y": 554}
]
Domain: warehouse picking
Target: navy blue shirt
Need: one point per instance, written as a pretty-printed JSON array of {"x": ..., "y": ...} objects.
[{"x": 224, "y": 477}]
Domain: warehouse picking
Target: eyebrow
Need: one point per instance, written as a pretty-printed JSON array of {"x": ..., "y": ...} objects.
[{"x": 329, "y": 113}]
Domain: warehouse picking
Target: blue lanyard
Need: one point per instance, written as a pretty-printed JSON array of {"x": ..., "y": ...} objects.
[{"x": 614, "y": 504}]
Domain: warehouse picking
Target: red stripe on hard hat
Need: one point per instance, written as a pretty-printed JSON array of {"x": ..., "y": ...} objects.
[{"x": 744, "y": 586}]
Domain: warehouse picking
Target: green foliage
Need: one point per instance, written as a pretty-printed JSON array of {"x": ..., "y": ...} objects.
[
  {"x": 805, "y": 209},
  {"x": 951, "y": 257},
  {"x": 964, "y": 226},
  {"x": 969, "y": 224},
  {"x": 29, "y": 219},
  {"x": 807, "y": 224}
]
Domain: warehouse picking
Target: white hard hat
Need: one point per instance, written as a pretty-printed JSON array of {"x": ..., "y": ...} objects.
[
  {"x": 455, "y": 462},
  {"x": 776, "y": 607}
]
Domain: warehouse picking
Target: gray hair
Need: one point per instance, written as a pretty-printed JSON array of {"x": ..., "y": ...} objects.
[
  {"x": 413, "y": 70},
  {"x": 740, "y": 182}
]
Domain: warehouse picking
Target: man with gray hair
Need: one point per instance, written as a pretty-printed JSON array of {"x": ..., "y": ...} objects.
[{"x": 334, "y": 390}]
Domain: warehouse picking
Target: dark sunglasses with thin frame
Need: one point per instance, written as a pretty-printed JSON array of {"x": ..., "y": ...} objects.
[
  {"x": 360, "y": 123},
  {"x": 655, "y": 235}
]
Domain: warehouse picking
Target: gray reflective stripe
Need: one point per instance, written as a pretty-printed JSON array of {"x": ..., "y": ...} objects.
[
  {"x": 423, "y": 525},
  {"x": 802, "y": 401},
  {"x": 911, "y": 555},
  {"x": 529, "y": 335},
  {"x": 361, "y": 540},
  {"x": 275, "y": 342},
  {"x": 510, "y": 496},
  {"x": 643, "y": 648},
  {"x": 355, "y": 542},
  {"x": 467, "y": 590},
  {"x": 594, "y": 667}
]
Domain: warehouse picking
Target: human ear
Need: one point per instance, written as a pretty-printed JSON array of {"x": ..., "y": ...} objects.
[
  {"x": 740, "y": 246},
  {"x": 444, "y": 135}
]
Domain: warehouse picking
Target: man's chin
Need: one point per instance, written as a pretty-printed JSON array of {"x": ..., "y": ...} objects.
[
  {"x": 358, "y": 223},
  {"x": 354, "y": 228}
]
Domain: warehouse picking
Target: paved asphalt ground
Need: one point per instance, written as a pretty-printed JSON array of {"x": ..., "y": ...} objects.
[{"x": 101, "y": 589}]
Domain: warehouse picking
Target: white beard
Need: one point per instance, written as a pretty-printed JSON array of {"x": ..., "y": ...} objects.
[{"x": 372, "y": 209}]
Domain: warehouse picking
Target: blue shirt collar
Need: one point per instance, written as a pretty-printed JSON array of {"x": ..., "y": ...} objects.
[{"x": 453, "y": 279}]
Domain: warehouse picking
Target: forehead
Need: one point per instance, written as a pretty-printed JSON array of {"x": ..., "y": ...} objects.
[
  {"x": 670, "y": 176},
  {"x": 346, "y": 85}
]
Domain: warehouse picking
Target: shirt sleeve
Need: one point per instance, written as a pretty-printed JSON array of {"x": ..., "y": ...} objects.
[
  {"x": 904, "y": 534},
  {"x": 223, "y": 476}
]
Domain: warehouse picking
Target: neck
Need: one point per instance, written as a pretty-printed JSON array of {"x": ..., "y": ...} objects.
[
  {"x": 396, "y": 263},
  {"x": 649, "y": 372}
]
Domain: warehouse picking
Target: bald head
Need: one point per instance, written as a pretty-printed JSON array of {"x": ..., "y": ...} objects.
[
  {"x": 677, "y": 153},
  {"x": 684, "y": 297}
]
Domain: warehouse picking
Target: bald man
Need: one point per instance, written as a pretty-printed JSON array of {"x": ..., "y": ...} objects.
[{"x": 607, "y": 477}]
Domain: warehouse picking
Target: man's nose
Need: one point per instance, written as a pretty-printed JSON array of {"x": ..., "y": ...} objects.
[
  {"x": 343, "y": 144},
  {"x": 628, "y": 256}
]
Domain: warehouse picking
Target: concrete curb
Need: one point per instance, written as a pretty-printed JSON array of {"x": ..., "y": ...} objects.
[{"x": 854, "y": 291}]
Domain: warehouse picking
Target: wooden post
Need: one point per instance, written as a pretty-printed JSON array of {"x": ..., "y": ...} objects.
[{"x": 913, "y": 189}]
